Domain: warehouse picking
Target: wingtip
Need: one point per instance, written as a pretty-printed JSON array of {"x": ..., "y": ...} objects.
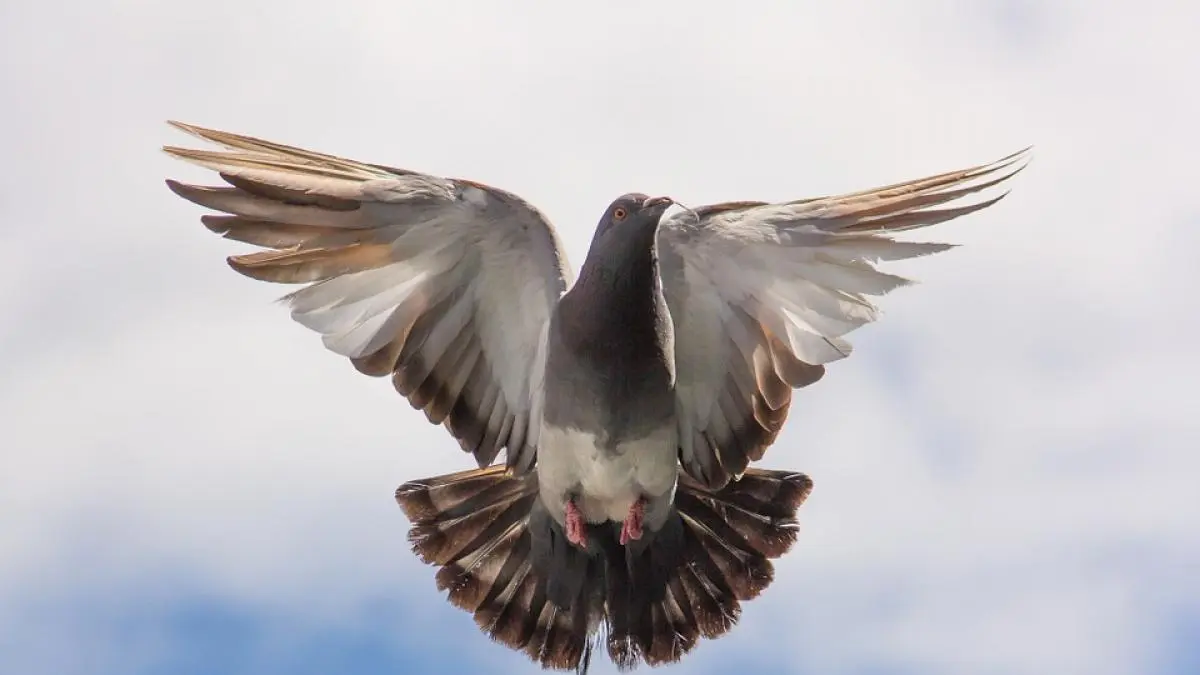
[
  {"x": 238, "y": 264},
  {"x": 213, "y": 136},
  {"x": 1000, "y": 197},
  {"x": 176, "y": 187},
  {"x": 217, "y": 224},
  {"x": 1019, "y": 160},
  {"x": 183, "y": 154},
  {"x": 191, "y": 129}
]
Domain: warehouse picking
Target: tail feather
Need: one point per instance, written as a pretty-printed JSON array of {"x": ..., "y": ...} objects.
[
  {"x": 761, "y": 506},
  {"x": 717, "y": 608},
  {"x": 722, "y": 551},
  {"x": 474, "y": 526},
  {"x": 744, "y": 568},
  {"x": 654, "y": 602},
  {"x": 456, "y": 515}
]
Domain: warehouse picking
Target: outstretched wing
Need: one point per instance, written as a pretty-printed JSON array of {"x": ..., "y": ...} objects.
[
  {"x": 446, "y": 285},
  {"x": 761, "y": 295}
]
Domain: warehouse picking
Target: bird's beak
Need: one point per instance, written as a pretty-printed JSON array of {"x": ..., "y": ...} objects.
[{"x": 657, "y": 201}]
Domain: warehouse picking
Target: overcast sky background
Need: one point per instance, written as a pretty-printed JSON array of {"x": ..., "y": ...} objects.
[{"x": 1005, "y": 470}]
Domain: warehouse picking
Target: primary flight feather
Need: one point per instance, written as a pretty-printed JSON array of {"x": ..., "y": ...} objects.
[{"x": 629, "y": 402}]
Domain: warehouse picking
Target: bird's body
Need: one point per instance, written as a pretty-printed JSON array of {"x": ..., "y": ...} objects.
[
  {"x": 629, "y": 404},
  {"x": 608, "y": 428}
]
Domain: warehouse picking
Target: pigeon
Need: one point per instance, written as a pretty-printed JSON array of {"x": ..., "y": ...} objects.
[{"x": 629, "y": 402}]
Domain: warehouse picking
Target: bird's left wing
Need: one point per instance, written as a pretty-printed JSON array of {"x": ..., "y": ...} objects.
[
  {"x": 444, "y": 284},
  {"x": 762, "y": 294}
]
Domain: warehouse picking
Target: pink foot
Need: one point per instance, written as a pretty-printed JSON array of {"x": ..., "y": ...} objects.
[
  {"x": 632, "y": 527},
  {"x": 576, "y": 527}
]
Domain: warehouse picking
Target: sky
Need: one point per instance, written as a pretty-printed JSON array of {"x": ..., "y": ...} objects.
[{"x": 190, "y": 483}]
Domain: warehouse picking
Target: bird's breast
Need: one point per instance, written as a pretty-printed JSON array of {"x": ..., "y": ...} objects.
[{"x": 605, "y": 480}]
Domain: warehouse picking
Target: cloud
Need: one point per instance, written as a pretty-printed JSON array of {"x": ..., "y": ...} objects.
[{"x": 1003, "y": 468}]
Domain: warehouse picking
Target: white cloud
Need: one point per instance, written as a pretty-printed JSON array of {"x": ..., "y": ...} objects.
[{"x": 1003, "y": 469}]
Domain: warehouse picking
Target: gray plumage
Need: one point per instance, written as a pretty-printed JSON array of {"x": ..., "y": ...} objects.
[{"x": 629, "y": 403}]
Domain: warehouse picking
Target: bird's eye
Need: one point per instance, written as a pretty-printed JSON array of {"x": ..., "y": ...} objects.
[{"x": 619, "y": 213}]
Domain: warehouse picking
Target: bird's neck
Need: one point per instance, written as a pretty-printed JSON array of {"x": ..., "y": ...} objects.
[
  {"x": 621, "y": 267},
  {"x": 611, "y": 345},
  {"x": 617, "y": 302}
]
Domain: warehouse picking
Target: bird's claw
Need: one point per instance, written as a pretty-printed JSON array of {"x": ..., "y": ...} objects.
[
  {"x": 631, "y": 529},
  {"x": 576, "y": 526}
]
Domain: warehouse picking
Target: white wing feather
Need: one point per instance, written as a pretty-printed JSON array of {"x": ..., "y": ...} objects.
[
  {"x": 446, "y": 285},
  {"x": 762, "y": 296}
]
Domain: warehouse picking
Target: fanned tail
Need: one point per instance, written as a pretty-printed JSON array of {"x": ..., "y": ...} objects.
[{"x": 653, "y": 600}]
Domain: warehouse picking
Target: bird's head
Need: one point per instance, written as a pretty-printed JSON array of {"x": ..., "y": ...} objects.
[{"x": 631, "y": 213}]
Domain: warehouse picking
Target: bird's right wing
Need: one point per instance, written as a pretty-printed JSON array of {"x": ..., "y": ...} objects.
[
  {"x": 446, "y": 285},
  {"x": 762, "y": 294}
]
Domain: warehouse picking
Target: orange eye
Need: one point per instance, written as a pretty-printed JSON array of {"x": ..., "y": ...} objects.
[{"x": 619, "y": 213}]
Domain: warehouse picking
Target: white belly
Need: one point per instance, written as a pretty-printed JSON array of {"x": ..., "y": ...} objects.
[{"x": 608, "y": 482}]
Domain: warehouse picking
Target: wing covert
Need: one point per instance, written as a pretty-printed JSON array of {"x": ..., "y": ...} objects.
[
  {"x": 762, "y": 294},
  {"x": 444, "y": 284}
]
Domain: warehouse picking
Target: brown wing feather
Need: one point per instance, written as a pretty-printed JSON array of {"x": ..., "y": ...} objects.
[
  {"x": 408, "y": 275},
  {"x": 761, "y": 295}
]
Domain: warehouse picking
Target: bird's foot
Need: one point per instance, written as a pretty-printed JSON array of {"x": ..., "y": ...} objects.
[
  {"x": 576, "y": 525},
  {"x": 632, "y": 527}
]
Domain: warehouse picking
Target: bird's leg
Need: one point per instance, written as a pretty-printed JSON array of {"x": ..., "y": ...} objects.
[
  {"x": 632, "y": 527},
  {"x": 576, "y": 526}
]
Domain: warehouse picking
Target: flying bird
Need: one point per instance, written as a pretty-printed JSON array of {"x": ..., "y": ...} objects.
[{"x": 629, "y": 402}]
